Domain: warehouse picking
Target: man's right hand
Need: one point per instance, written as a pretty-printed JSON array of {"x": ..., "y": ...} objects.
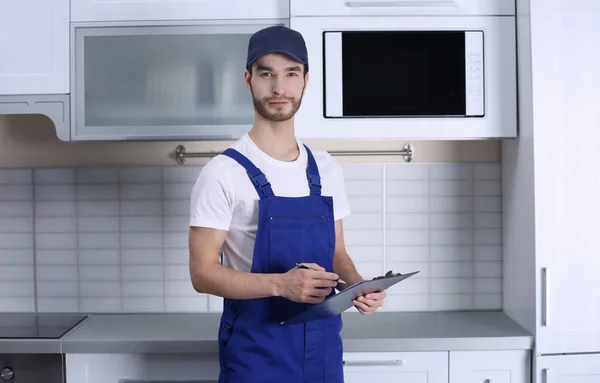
[{"x": 307, "y": 286}]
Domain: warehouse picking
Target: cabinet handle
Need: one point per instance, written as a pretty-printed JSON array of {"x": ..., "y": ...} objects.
[
  {"x": 401, "y": 4},
  {"x": 546, "y": 375},
  {"x": 545, "y": 296},
  {"x": 396, "y": 362},
  {"x": 151, "y": 137}
]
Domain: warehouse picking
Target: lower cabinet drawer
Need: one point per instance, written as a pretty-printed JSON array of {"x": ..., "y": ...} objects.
[
  {"x": 142, "y": 368},
  {"x": 503, "y": 366},
  {"x": 396, "y": 367}
]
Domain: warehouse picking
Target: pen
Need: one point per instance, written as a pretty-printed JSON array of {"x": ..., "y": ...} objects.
[{"x": 310, "y": 268}]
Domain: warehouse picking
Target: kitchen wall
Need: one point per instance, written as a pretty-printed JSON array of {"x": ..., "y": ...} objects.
[{"x": 103, "y": 227}]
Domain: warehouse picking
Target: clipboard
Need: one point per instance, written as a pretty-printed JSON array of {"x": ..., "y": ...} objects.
[{"x": 342, "y": 301}]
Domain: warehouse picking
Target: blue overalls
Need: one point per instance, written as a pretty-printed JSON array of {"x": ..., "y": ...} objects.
[{"x": 253, "y": 347}]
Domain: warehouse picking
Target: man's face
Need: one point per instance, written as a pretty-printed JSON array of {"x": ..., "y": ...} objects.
[{"x": 277, "y": 85}]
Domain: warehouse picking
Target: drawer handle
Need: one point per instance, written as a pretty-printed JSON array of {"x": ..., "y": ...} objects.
[
  {"x": 394, "y": 362},
  {"x": 401, "y": 4}
]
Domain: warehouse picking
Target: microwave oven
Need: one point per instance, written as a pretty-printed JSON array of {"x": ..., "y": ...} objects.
[{"x": 409, "y": 77}]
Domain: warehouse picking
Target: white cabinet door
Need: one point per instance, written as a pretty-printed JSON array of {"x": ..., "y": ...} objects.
[
  {"x": 119, "y": 368},
  {"x": 568, "y": 369},
  {"x": 566, "y": 79},
  {"x": 34, "y": 47},
  {"x": 135, "y": 10},
  {"x": 399, "y": 8},
  {"x": 396, "y": 367},
  {"x": 505, "y": 366}
]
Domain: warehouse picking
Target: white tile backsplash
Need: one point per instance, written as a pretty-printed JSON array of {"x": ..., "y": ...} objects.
[
  {"x": 16, "y": 241},
  {"x": 444, "y": 220},
  {"x": 9, "y": 209},
  {"x": 97, "y": 175},
  {"x": 16, "y": 192},
  {"x": 16, "y": 257},
  {"x": 143, "y": 304},
  {"x": 100, "y": 304},
  {"x": 140, "y": 175},
  {"x": 97, "y": 209},
  {"x": 97, "y": 192},
  {"x": 115, "y": 239},
  {"x": 55, "y": 192},
  {"x": 140, "y": 192},
  {"x": 16, "y": 176},
  {"x": 16, "y": 225},
  {"x": 55, "y": 209},
  {"x": 55, "y": 224},
  {"x": 17, "y": 304},
  {"x": 54, "y": 176}
]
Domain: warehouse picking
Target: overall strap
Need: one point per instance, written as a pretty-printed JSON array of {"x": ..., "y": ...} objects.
[
  {"x": 258, "y": 179},
  {"x": 312, "y": 174}
]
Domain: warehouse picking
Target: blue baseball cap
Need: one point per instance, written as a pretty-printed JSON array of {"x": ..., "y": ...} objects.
[{"x": 277, "y": 39}]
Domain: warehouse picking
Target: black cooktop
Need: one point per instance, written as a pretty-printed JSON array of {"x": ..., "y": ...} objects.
[{"x": 40, "y": 326}]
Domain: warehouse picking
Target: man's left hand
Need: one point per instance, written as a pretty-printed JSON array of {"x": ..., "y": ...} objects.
[{"x": 369, "y": 303}]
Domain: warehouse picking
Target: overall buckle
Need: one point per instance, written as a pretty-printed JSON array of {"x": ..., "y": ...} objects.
[
  {"x": 314, "y": 179},
  {"x": 259, "y": 180}
]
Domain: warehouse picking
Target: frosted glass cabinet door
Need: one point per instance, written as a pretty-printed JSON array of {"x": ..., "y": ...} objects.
[{"x": 161, "y": 82}]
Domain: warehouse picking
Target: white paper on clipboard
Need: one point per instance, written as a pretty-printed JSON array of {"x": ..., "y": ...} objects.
[{"x": 342, "y": 301}]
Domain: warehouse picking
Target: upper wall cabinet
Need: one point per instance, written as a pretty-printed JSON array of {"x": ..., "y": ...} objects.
[
  {"x": 161, "y": 81},
  {"x": 135, "y": 10},
  {"x": 34, "y": 47},
  {"x": 402, "y": 7}
]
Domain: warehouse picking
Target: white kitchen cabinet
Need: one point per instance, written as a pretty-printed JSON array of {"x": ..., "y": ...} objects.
[
  {"x": 135, "y": 10},
  {"x": 34, "y": 47},
  {"x": 165, "y": 81},
  {"x": 396, "y": 367},
  {"x": 551, "y": 180},
  {"x": 497, "y": 366},
  {"x": 398, "y": 8},
  {"x": 120, "y": 368},
  {"x": 552, "y": 209},
  {"x": 566, "y": 56},
  {"x": 568, "y": 369}
]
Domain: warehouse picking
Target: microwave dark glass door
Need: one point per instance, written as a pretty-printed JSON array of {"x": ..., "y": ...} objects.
[{"x": 403, "y": 74}]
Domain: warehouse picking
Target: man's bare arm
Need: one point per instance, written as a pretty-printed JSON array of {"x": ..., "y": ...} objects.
[
  {"x": 342, "y": 263},
  {"x": 209, "y": 276}
]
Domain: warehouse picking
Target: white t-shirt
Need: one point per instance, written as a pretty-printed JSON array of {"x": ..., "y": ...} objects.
[{"x": 224, "y": 198}]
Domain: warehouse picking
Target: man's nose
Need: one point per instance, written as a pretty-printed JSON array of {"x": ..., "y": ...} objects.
[{"x": 278, "y": 86}]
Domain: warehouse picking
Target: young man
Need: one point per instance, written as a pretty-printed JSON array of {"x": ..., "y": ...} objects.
[{"x": 270, "y": 204}]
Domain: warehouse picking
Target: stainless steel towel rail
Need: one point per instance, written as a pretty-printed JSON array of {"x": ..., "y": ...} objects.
[{"x": 406, "y": 152}]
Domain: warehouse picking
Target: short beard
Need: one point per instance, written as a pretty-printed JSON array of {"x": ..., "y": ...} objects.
[{"x": 260, "y": 106}]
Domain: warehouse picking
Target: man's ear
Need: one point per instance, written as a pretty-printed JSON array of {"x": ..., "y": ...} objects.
[
  {"x": 305, "y": 84},
  {"x": 247, "y": 78}
]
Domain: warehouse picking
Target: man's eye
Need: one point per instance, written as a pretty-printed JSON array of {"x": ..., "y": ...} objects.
[{"x": 267, "y": 74}]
